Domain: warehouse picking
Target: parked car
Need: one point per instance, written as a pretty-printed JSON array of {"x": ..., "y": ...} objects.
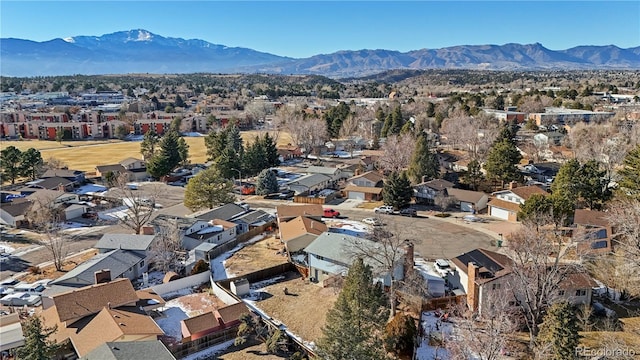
[
  {"x": 442, "y": 267},
  {"x": 385, "y": 209},
  {"x": 372, "y": 221},
  {"x": 330, "y": 213},
  {"x": 408, "y": 212}
]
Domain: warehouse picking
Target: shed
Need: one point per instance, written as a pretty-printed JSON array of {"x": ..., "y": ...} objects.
[{"x": 240, "y": 287}]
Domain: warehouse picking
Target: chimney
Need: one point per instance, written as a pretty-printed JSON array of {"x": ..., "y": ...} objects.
[
  {"x": 473, "y": 291},
  {"x": 148, "y": 230},
  {"x": 513, "y": 185},
  {"x": 408, "y": 257},
  {"x": 423, "y": 178},
  {"x": 102, "y": 276}
]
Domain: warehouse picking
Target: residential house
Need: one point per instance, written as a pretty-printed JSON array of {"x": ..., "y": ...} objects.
[
  {"x": 112, "y": 264},
  {"x": 331, "y": 254},
  {"x": 225, "y": 318},
  {"x": 568, "y": 117},
  {"x": 131, "y": 242},
  {"x": 426, "y": 191},
  {"x": 299, "y": 232},
  {"x": 218, "y": 232},
  {"x": 286, "y": 213},
  {"x": 130, "y": 350},
  {"x": 543, "y": 172},
  {"x": 335, "y": 173},
  {"x": 482, "y": 274},
  {"x": 310, "y": 183},
  {"x": 367, "y": 186},
  {"x": 505, "y": 204},
  {"x": 252, "y": 220},
  {"x": 13, "y": 213},
  {"x": 469, "y": 201},
  {"x": 110, "y": 172},
  {"x": 10, "y": 333},
  {"x": 289, "y": 152},
  {"x": 137, "y": 168},
  {"x": 76, "y": 176},
  {"x": 93, "y": 315},
  {"x": 51, "y": 183},
  {"x": 594, "y": 231},
  {"x": 225, "y": 212}
]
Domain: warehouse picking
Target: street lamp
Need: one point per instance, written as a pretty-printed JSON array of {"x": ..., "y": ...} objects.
[{"x": 239, "y": 175}]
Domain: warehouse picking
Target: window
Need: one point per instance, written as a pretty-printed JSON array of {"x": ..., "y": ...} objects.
[
  {"x": 581, "y": 292},
  {"x": 560, "y": 292},
  {"x": 495, "y": 286},
  {"x": 142, "y": 263}
]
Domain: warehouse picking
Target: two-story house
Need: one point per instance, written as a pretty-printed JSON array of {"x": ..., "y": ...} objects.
[
  {"x": 484, "y": 275},
  {"x": 593, "y": 231},
  {"x": 367, "y": 186},
  {"x": 427, "y": 191},
  {"x": 505, "y": 204}
]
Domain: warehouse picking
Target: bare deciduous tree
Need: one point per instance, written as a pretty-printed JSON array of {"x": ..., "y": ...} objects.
[
  {"x": 483, "y": 335},
  {"x": 166, "y": 250},
  {"x": 138, "y": 205},
  {"x": 624, "y": 216},
  {"x": 538, "y": 266},
  {"x": 475, "y": 134},
  {"x": 397, "y": 152},
  {"x": 386, "y": 255},
  {"x": 47, "y": 217}
]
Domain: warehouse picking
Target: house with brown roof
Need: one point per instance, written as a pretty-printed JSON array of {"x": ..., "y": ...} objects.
[
  {"x": 225, "y": 318},
  {"x": 289, "y": 152},
  {"x": 505, "y": 204},
  {"x": 90, "y": 316},
  {"x": 285, "y": 213},
  {"x": 468, "y": 200},
  {"x": 427, "y": 191},
  {"x": 367, "y": 186},
  {"x": 593, "y": 231},
  {"x": 298, "y": 233},
  {"x": 483, "y": 274}
]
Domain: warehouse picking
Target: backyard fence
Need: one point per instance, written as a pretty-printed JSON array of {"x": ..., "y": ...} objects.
[{"x": 183, "y": 283}]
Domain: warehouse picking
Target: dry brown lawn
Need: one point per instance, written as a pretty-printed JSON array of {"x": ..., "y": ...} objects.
[
  {"x": 304, "y": 310},
  {"x": 257, "y": 256},
  {"x": 85, "y": 155},
  {"x": 370, "y": 204},
  {"x": 50, "y": 272},
  {"x": 254, "y": 352}
]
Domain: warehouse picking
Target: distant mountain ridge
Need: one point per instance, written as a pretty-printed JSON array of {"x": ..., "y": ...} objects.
[{"x": 140, "y": 51}]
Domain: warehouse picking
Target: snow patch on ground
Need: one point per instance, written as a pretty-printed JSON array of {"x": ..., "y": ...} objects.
[
  {"x": 349, "y": 227},
  {"x": 90, "y": 189},
  {"x": 6, "y": 249},
  {"x": 433, "y": 328}
]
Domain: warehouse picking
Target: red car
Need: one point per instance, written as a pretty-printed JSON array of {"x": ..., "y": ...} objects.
[{"x": 330, "y": 213}]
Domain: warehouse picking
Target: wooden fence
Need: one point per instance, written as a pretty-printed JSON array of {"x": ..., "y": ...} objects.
[
  {"x": 242, "y": 238},
  {"x": 442, "y": 303},
  {"x": 181, "y": 350},
  {"x": 259, "y": 275},
  {"x": 315, "y": 200}
]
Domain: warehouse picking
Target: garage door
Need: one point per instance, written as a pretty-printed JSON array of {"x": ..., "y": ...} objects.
[
  {"x": 356, "y": 195},
  {"x": 465, "y": 206},
  {"x": 499, "y": 213}
]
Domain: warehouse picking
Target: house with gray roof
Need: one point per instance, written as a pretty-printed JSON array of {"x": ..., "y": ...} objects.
[
  {"x": 309, "y": 183},
  {"x": 119, "y": 263},
  {"x": 225, "y": 212},
  {"x": 331, "y": 254},
  {"x": 133, "y": 242},
  {"x": 335, "y": 173},
  {"x": 130, "y": 350},
  {"x": 253, "y": 219}
]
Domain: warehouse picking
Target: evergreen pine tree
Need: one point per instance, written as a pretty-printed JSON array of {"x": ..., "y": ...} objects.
[
  {"x": 254, "y": 159},
  {"x": 473, "y": 175},
  {"x": 396, "y": 121},
  {"x": 267, "y": 183},
  {"x": 386, "y": 127},
  {"x": 270, "y": 151},
  {"x": 10, "y": 163},
  {"x": 397, "y": 191},
  {"x": 149, "y": 144},
  {"x": 215, "y": 142},
  {"x": 502, "y": 160},
  {"x": 400, "y": 335},
  {"x": 167, "y": 158},
  {"x": 630, "y": 173},
  {"x": 30, "y": 163},
  {"x": 37, "y": 346},
  {"x": 354, "y": 325},
  {"x": 424, "y": 161},
  {"x": 593, "y": 185},
  {"x": 558, "y": 337},
  {"x": 183, "y": 151}
]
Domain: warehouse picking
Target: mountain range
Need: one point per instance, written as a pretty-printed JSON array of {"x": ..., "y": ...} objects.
[{"x": 140, "y": 51}]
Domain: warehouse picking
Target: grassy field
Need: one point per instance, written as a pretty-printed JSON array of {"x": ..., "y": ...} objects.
[{"x": 86, "y": 155}]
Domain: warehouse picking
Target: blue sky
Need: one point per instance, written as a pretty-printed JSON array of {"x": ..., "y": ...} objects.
[{"x": 305, "y": 28}]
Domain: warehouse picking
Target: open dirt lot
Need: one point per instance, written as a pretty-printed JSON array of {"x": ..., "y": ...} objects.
[
  {"x": 85, "y": 155},
  {"x": 304, "y": 310},
  {"x": 260, "y": 255}
]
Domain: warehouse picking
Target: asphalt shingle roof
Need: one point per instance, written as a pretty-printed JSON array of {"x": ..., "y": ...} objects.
[{"x": 125, "y": 242}]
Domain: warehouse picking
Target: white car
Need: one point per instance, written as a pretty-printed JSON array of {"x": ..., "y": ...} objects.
[
  {"x": 372, "y": 221},
  {"x": 385, "y": 209}
]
